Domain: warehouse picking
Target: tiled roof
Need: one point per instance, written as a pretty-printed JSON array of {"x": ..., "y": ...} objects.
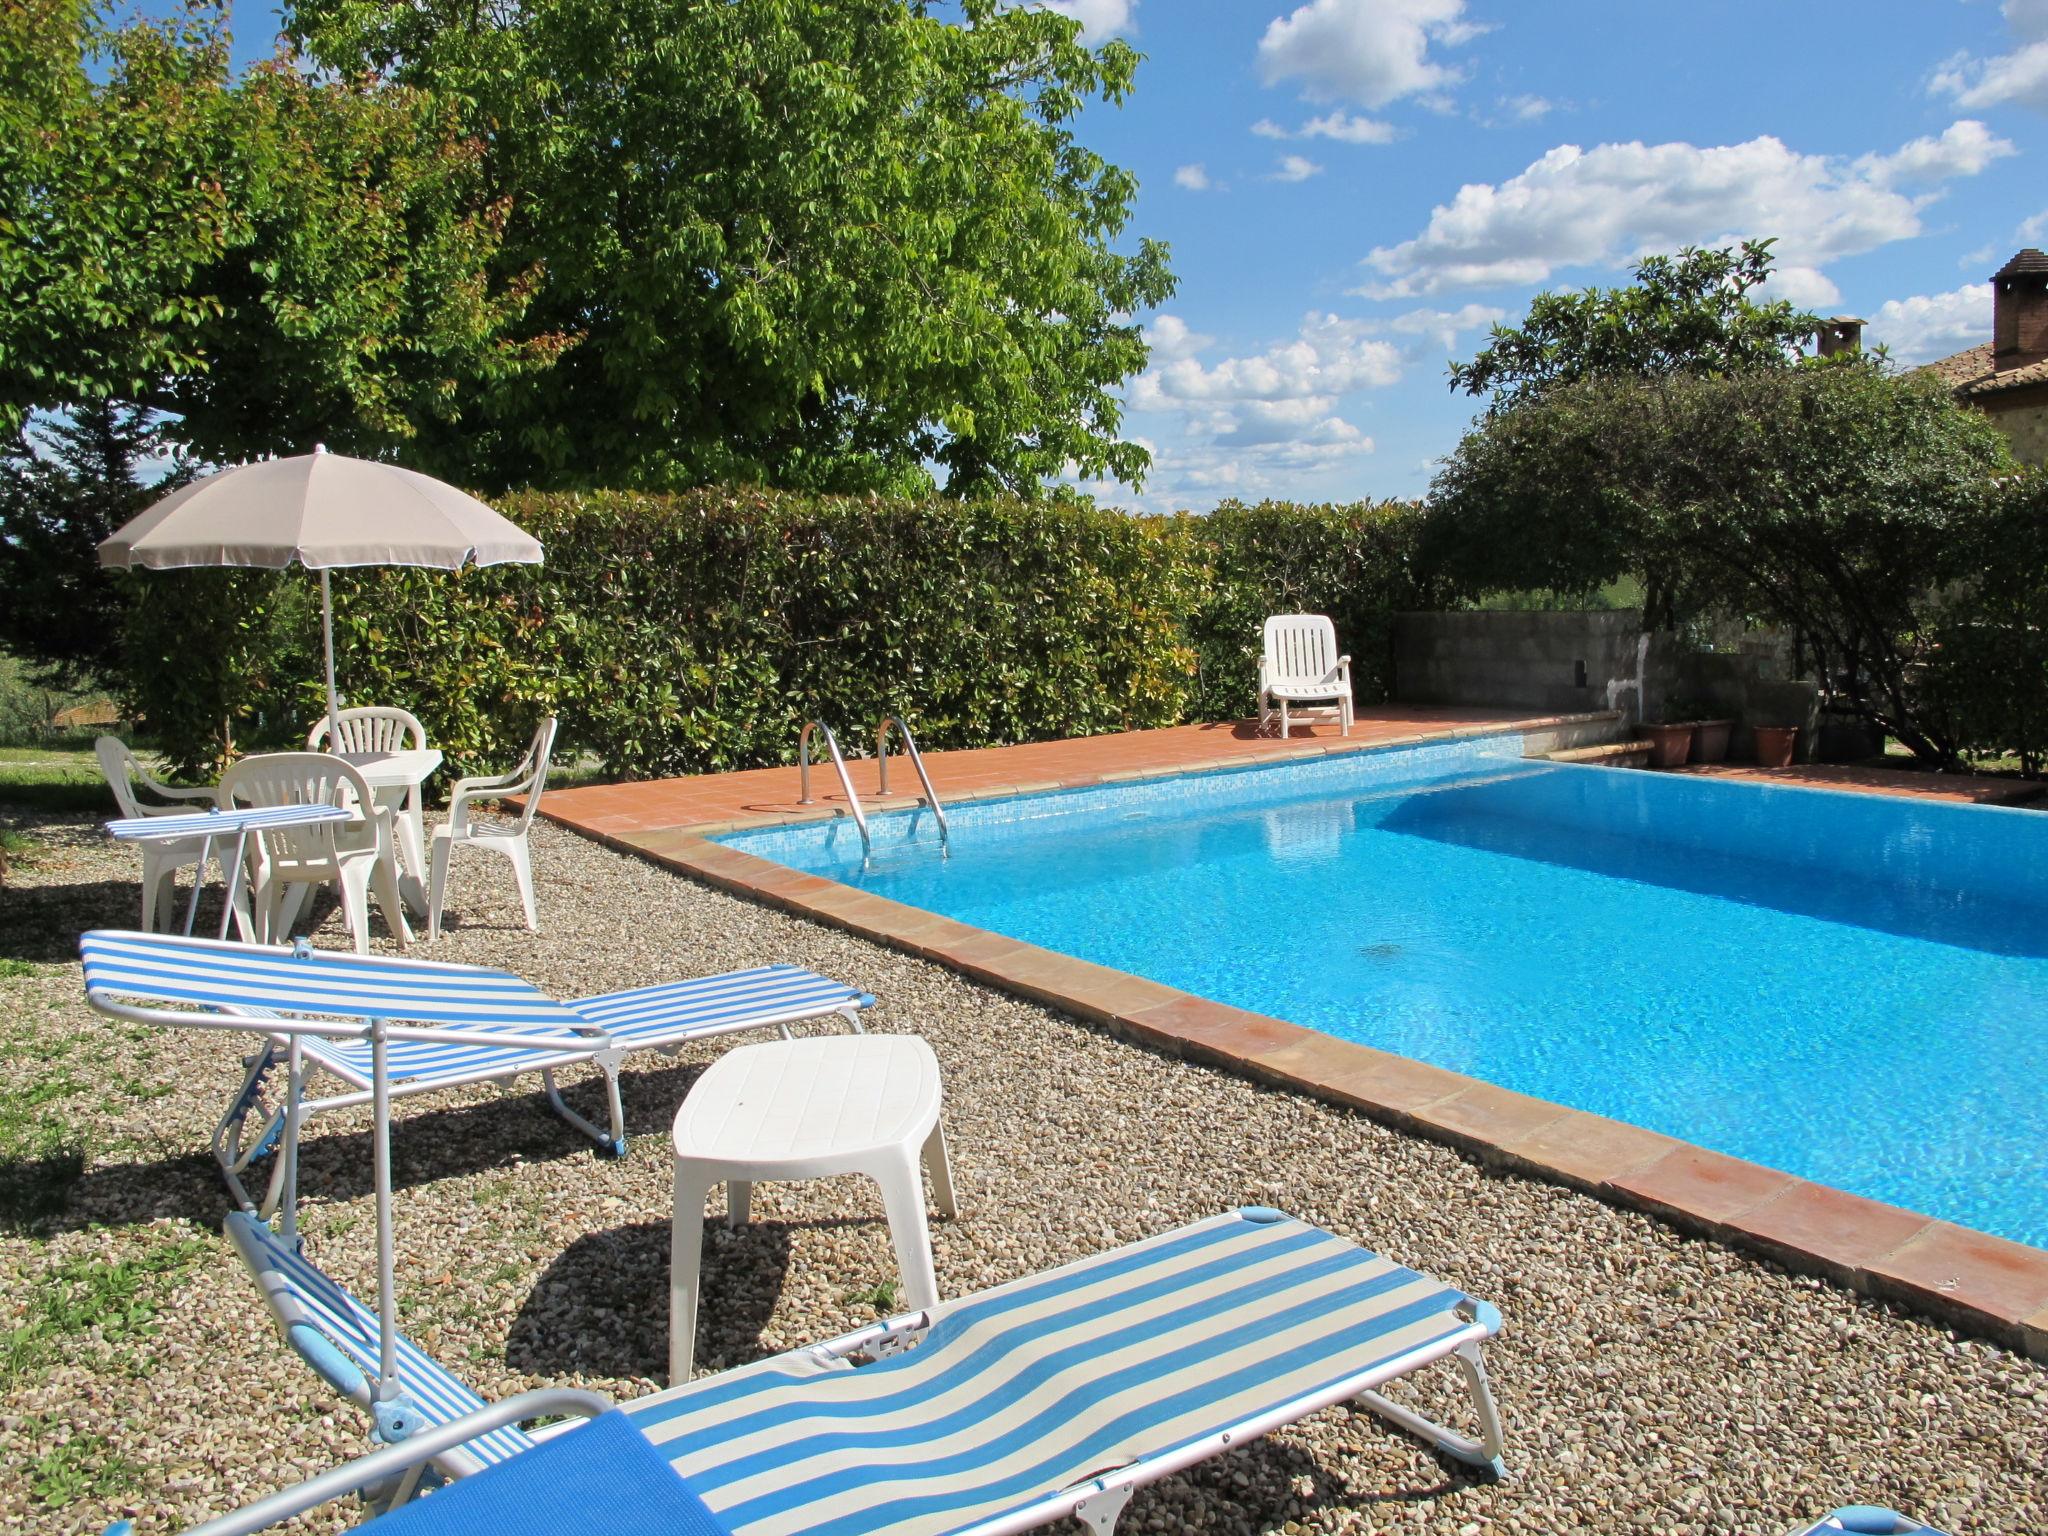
[
  {"x": 2027, "y": 263},
  {"x": 1973, "y": 372}
]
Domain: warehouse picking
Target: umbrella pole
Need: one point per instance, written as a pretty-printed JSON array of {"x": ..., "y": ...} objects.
[
  {"x": 327, "y": 639},
  {"x": 387, "y": 1265}
]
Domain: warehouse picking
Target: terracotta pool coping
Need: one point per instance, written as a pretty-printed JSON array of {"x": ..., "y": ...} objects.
[{"x": 1970, "y": 1280}]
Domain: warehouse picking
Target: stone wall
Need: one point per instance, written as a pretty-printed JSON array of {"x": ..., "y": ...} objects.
[
  {"x": 2022, "y": 415},
  {"x": 1554, "y": 662},
  {"x": 1562, "y": 662}
]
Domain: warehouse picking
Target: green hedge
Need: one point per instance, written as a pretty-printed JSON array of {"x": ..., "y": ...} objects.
[{"x": 697, "y": 632}]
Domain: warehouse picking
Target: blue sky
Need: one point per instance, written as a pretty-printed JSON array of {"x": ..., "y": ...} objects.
[{"x": 1352, "y": 189}]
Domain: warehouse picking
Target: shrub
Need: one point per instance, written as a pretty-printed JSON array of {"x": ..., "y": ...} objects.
[
  {"x": 1986, "y": 677},
  {"x": 697, "y": 632},
  {"x": 1836, "y": 501}
]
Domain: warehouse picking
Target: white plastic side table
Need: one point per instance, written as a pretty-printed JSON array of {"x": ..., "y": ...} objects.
[{"x": 808, "y": 1109}]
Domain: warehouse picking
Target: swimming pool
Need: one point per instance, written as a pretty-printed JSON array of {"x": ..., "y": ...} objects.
[{"x": 1846, "y": 987}]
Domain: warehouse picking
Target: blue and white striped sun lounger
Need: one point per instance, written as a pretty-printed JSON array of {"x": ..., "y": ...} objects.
[
  {"x": 444, "y": 1025},
  {"x": 1051, "y": 1397},
  {"x": 337, "y": 1335}
]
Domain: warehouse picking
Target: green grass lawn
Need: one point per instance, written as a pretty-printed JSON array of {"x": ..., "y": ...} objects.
[{"x": 53, "y": 778}]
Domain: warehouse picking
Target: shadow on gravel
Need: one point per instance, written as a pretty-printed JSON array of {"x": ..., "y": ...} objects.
[
  {"x": 501, "y": 1131},
  {"x": 1267, "y": 1481},
  {"x": 601, "y": 1309},
  {"x": 42, "y": 922}
]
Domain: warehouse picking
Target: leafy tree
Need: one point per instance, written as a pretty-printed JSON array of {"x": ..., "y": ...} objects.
[
  {"x": 1839, "y": 502},
  {"x": 830, "y": 246},
  {"x": 111, "y": 202},
  {"x": 64, "y": 487},
  {"x": 273, "y": 259},
  {"x": 241, "y": 266},
  {"x": 1686, "y": 314}
]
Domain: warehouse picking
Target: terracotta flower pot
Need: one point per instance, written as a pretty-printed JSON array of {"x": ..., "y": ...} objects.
[
  {"x": 1710, "y": 740},
  {"x": 1775, "y": 744},
  {"x": 1670, "y": 745}
]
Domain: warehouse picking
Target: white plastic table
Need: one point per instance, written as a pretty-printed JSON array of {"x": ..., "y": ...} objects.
[
  {"x": 808, "y": 1109},
  {"x": 211, "y": 824},
  {"x": 393, "y": 777}
]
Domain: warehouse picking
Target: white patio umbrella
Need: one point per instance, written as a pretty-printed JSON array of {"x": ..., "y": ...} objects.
[{"x": 323, "y": 510}]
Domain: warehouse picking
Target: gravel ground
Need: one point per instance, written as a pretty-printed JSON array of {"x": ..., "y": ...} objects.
[{"x": 1649, "y": 1382}]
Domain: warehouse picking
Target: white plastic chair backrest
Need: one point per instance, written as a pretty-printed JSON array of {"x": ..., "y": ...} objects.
[
  {"x": 1300, "y": 647},
  {"x": 372, "y": 729},
  {"x": 531, "y": 776},
  {"x": 296, "y": 778},
  {"x": 120, "y": 767}
]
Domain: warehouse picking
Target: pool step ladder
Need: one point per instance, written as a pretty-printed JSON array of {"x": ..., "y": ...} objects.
[
  {"x": 931, "y": 795},
  {"x": 860, "y": 819}
]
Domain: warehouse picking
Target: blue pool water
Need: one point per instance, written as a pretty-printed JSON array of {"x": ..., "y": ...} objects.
[{"x": 1846, "y": 987}]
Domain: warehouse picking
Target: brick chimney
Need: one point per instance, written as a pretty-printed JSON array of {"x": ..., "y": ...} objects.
[
  {"x": 2019, "y": 310},
  {"x": 1840, "y": 333}
]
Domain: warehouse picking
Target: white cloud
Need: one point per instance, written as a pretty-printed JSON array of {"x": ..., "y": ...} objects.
[
  {"x": 1194, "y": 177},
  {"x": 1602, "y": 206},
  {"x": 1344, "y": 127},
  {"x": 1802, "y": 287},
  {"x": 1932, "y": 325},
  {"x": 1100, "y": 19},
  {"x": 1247, "y": 418},
  {"x": 1169, "y": 337},
  {"x": 2031, "y": 230},
  {"x": 1963, "y": 149},
  {"x": 1528, "y": 109},
  {"x": 2020, "y": 76},
  {"x": 1367, "y": 51},
  {"x": 1296, "y": 168},
  {"x": 1445, "y": 326}
]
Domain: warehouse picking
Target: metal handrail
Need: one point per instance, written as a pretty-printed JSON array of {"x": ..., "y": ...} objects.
[
  {"x": 931, "y": 795},
  {"x": 803, "y": 767}
]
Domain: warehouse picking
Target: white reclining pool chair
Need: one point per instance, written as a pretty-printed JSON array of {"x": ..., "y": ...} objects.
[
  {"x": 1049, "y": 1398},
  {"x": 1300, "y": 665},
  {"x": 446, "y": 1025}
]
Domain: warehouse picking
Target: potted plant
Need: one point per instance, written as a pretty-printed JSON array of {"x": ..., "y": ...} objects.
[
  {"x": 1670, "y": 739},
  {"x": 1710, "y": 740},
  {"x": 1775, "y": 745}
]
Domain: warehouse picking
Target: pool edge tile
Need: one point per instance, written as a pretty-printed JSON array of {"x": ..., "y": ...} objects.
[
  {"x": 1588, "y": 1151},
  {"x": 1707, "y": 1187},
  {"x": 1818, "y": 1226},
  {"x": 1210, "y": 1031},
  {"x": 1361, "y": 1077},
  {"x": 1491, "y": 1116},
  {"x": 1958, "y": 1273}
]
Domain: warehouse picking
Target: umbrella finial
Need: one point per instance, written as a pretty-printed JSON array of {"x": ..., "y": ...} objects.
[{"x": 319, "y": 447}]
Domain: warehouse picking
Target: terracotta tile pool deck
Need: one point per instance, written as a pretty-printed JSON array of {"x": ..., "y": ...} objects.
[
  {"x": 1906, "y": 782},
  {"x": 1981, "y": 1284}
]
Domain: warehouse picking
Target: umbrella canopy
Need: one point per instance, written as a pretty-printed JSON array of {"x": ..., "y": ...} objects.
[{"x": 323, "y": 510}]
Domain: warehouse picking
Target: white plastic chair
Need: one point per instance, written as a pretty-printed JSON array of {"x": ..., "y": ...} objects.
[
  {"x": 355, "y": 856},
  {"x": 527, "y": 780},
  {"x": 160, "y": 861},
  {"x": 376, "y": 728},
  {"x": 371, "y": 730},
  {"x": 1300, "y": 665}
]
